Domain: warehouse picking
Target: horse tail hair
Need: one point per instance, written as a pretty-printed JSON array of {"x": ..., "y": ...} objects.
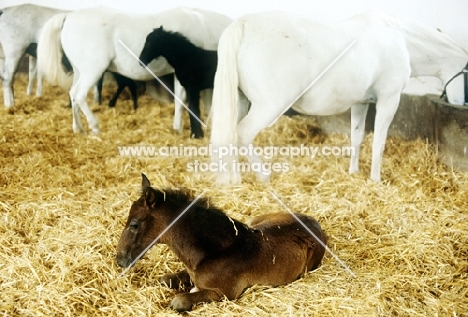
[
  {"x": 50, "y": 53},
  {"x": 224, "y": 110}
]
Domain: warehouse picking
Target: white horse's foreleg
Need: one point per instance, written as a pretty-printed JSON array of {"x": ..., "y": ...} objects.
[
  {"x": 9, "y": 69},
  {"x": 385, "y": 111},
  {"x": 32, "y": 75},
  {"x": 179, "y": 91},
  {"x": 358, "y": 122}
]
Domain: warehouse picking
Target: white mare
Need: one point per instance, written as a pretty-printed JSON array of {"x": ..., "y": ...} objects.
[
  {"x": 20, "y": 26},
  {"x": 272, "y": 57},
  {"x": 90, "y": 40}
]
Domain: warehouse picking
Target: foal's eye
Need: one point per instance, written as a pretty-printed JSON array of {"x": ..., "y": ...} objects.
[{"x": 133, "y": 225}]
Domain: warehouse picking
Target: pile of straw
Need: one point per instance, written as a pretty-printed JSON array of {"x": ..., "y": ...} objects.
[{"x": 64, "y": 199}]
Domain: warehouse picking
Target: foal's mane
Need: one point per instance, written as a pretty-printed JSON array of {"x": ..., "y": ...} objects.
[
  {"x": 182, "y": 197},
  {"x": 178, "y": 38}
]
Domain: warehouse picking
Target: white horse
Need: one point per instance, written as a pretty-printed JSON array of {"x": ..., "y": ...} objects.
[
  {"x": 20, "y": 26},
  {"x": 92, "y": 41},
  {"x": 271, "y": 58}
]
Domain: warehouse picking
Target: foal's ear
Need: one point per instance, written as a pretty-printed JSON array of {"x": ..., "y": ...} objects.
[
  {"x": 153, "y": 197},
  {"x": 145, "y": 183}
]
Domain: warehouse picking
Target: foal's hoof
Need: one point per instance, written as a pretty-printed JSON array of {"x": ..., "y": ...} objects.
[
  {"x": 197, "y": 135},
  {"x": 176, "y": 280},
  {"x": 181, "y": 303}
]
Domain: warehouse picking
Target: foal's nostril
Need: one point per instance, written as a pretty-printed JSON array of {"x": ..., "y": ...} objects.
[{"x": 123, "y": 261}]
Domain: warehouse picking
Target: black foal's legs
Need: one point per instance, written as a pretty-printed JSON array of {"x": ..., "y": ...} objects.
[
  {"x": 194, "y": 106},
  {"x": 123, "y": 82}
]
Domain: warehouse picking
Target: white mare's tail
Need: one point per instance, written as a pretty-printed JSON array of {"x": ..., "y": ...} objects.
[
  {"x": 224, "y": 106},
  {"x": 50, "y": 52}
]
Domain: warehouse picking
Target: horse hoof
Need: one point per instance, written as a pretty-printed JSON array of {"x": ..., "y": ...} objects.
[
  {"x": 181, "y": 303},
  {"x": 264, "y": 177},
  {"x": 77, "y": 130},
  {"x": 197, "y": 135}
]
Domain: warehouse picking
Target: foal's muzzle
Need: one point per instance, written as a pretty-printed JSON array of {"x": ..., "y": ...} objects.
[{"x": 124, "y": 260}]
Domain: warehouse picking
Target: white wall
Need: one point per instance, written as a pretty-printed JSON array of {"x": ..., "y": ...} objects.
[{"x": 450, "y": 16}]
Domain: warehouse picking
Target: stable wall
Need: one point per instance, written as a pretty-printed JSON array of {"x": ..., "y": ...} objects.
[{"x": 424, "y": 117}]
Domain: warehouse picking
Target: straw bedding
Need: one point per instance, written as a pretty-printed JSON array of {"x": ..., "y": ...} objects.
[{"x": 64, "y": 199}]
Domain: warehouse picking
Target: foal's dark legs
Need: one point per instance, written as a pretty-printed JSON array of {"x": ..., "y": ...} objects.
[
  {"x": 123, "y": 82},
  {"x": 176, "y": 280},
  {"x": 194, "y": 106},
  {"x": 185, "y": 301}
]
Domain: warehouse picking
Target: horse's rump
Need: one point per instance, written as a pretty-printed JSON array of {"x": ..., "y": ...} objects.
[
  {"x": 301, "y": 229},
  {"x": 285, "y": 60}
]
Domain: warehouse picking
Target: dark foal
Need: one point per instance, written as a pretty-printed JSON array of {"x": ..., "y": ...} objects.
[
  {"x": 222, "y": 255},
  {"x": 122, "y": 83},
  {"x": 194, "y": 67}
]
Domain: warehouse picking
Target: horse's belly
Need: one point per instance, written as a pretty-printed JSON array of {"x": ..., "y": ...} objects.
[
  {"x": 320, "y": 107},
  {"x": 334, "y": 98},
  {"x": 138, "y": 72}
]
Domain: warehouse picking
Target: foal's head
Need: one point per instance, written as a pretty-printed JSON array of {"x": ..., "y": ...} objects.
[
  {"x": 143, "y": 225},
  {"x": 154, "y": 44}
]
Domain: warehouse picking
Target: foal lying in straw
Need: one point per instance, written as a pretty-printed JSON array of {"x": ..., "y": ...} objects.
[{"x": 222, "y": 256}]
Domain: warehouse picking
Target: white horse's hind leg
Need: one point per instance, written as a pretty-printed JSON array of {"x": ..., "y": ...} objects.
[
  {"x": 358, "y": 122},
  {"x": 9, "y": 69},
  {"x": 32, "y": 75},
  {"x": 77, "y": 125},
  {"x": 179, "y": 91},
  {"x": 76, "y": 122},
  {"x": 256, "y": 120},
  {"x": 385, "y": 111},
  {"x": 78, "y": 94}
]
